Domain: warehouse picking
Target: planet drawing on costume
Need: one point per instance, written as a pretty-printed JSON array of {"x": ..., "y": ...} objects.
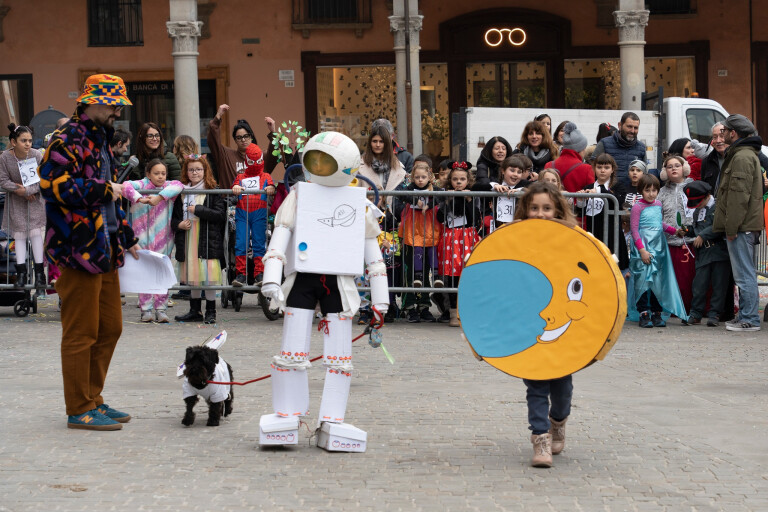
[
  {"x": 540, "y": 299},
  {"x": 343, "y": 215}
]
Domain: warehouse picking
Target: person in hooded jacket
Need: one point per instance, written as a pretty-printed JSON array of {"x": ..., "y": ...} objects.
[
  {"x": 739, "y": 214},
  {"x": 495, "y": 151}
]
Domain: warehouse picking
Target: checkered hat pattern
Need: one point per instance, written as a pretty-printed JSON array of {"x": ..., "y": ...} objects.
[{"x": 104, "y": 90}]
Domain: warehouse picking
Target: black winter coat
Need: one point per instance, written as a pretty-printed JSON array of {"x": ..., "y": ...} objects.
[{"x": 213, "y": 222}]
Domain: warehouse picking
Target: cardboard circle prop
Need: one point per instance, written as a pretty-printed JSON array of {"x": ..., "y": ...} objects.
[{"x": 541, "y": 300}]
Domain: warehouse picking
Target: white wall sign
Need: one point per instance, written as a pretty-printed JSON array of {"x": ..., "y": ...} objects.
[{"x": 285, "y": 74}]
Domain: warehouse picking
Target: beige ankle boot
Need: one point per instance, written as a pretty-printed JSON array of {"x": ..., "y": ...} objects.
[
  {"x": 542, "y": 451},
  {"x": 557, "y": 431},
  {"x": 454, "y": 318}
]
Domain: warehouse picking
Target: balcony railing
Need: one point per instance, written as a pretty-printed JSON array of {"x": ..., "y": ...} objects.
[{"x": 331, "y": 14}]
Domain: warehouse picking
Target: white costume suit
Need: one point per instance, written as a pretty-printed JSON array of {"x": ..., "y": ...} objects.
[{"x": 330, "y": 160}]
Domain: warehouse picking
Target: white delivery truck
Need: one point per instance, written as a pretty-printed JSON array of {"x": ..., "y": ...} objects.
[{"x": 680, "y": 117}]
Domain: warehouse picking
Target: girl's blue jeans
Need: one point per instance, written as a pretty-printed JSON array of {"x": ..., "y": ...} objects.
[{"x": 539, "y": 395}]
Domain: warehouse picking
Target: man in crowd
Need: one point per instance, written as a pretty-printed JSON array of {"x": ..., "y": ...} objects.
[
  {"x": 623, "y": 146},
  {"x": 739, "y": 213},
  {"x": 87, "y": 236},
  {"x": 712, "y": 164}
]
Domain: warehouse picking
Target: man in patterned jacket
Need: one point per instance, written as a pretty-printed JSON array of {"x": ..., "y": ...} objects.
[{"x": 87, "y": 236}]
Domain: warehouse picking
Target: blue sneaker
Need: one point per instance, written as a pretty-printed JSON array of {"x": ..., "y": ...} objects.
[
  {"x": 114, "y": 414},
  {"x": 92, "y": 420},
  {"x": 657, "y": 320},
  {"x": 645, "y": 320}
]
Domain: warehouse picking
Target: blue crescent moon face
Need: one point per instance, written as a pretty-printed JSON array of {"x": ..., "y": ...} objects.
[{"x": 529, "y": 293}]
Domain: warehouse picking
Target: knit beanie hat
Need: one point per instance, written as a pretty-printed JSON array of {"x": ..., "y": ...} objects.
[
  {"x": 640, "y": 165},
  {"x": 573, "y": 138}
]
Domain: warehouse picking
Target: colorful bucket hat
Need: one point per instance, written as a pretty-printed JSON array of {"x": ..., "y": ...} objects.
[{"x": 104, "y": 90}]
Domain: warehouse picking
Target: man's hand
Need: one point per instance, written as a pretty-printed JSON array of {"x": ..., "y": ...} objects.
[
  {"x": 134, "y": 251},
  {"x": 270, "y": 123},
  {"x": 117, "y": 190},
  {"x": 698, "y": 242}
]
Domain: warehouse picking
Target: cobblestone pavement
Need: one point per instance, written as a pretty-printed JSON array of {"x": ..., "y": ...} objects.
[{"x": 673, "y": 419}]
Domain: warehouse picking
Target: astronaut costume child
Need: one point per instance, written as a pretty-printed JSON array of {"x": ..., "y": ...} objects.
[{"x": 324, "y": 231}]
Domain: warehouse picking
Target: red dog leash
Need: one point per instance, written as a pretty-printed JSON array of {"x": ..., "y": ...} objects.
[{"x": 376, "y": 323}]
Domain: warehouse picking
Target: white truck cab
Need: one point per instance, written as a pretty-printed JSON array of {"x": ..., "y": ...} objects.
[{"x": 692, "y": 118}]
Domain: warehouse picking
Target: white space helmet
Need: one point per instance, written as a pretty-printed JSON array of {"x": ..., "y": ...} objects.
[{"x": 331, "y": 159}]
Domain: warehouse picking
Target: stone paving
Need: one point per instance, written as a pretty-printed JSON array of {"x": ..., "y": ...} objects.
[{"x": 673, "y": 419}]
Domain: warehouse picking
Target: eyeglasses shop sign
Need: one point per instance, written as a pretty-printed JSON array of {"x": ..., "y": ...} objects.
[{"x": 495, "y": 37}]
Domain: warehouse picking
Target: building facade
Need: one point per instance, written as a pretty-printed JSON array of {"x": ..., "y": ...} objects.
[{"x": 331, "y": 65}]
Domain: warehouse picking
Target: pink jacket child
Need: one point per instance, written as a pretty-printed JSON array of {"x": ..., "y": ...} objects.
[{"x": 151, "y": 222}]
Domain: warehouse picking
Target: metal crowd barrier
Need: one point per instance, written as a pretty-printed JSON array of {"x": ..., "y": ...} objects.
[{"x": 487, "y": 202}]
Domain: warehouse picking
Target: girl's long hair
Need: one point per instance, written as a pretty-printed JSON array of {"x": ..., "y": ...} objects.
[
  {"x": 562, "y": 208},
  {"x": 368, "y": 155},
  {"x": 208, "y": 179},
  {"x": 183, "y": 146}
]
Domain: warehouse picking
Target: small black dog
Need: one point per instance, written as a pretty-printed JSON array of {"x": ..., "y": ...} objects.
[{"x": 201, "y": 365}]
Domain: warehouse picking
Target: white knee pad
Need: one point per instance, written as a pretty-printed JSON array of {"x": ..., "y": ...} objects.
[
  {"x": 290, "y": 383},
  {"x": 337, "y": 342},
  {"x": 297, "y": 331},
  {"x": 337, "y": 358}
]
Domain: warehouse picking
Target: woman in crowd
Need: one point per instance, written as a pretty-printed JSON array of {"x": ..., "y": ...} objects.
[
  {"x": 496, "y": 150},
  {"x": 151, "y": 145},
  {"x": 536, "y": 143},
  {"x": 183, "y": 146}
]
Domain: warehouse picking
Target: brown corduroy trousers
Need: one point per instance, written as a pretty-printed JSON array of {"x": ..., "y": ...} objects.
[{"x": 91, "y": 324}]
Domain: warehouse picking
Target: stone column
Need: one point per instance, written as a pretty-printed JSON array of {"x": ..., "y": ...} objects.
[
  {"x": 397, "y": 26},
  {"x": 631, "y": 19},
  {"x": 416, "y": 22},
  {"x": 410, "y": 44},
  {"x": 184, "y": 29}
]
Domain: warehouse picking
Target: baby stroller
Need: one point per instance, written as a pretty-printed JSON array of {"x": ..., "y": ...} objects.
[{"x": 22, "y": 300}]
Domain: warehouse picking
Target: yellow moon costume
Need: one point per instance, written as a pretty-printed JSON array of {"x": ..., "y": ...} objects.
[{"x": 540, "y": 300}]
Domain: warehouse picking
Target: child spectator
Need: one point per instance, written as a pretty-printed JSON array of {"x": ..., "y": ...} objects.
[
  {"x": 547, "y": 423},
  {"x": 649, "y": 262},
  {"x": 596, "y": 216},
  {"x": 678, "y": 215},
  {"x": 442, "y": 175},
  {"x": 24, "y": 216},
  {"x": 251, "y": 215},
  {"x": 198, "y": 223},
  {"x": 419, "y": 233},
  {"x": 151, "y": 222},
  {"x": 713, "y": 266},
  {"x": 628, "y": 196},
  {"x": 462, "y": 218},
  {"x": 511, "y": 179}
]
